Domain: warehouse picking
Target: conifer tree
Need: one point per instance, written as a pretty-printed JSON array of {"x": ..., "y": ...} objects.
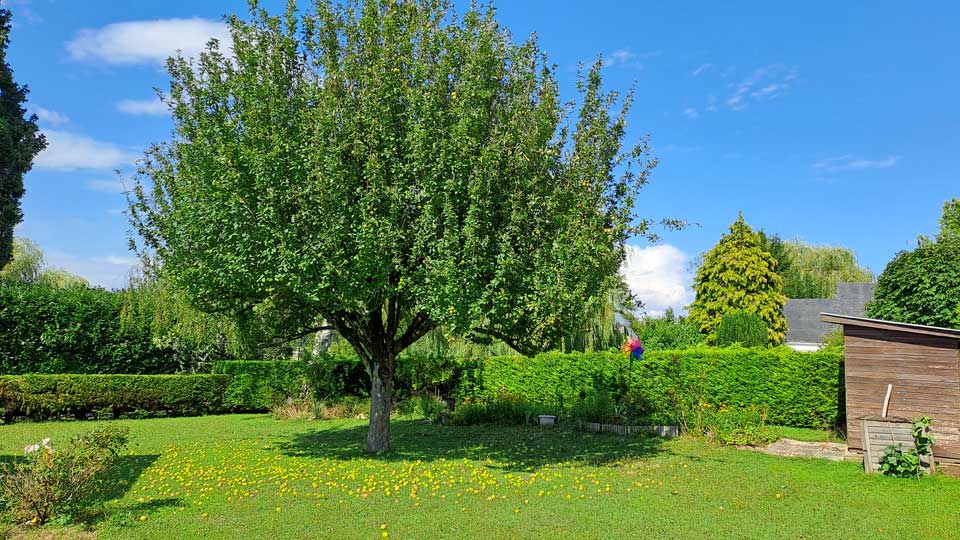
[
  {"x": 738, "y": 275},
  {"x": 19, "y": 143}
]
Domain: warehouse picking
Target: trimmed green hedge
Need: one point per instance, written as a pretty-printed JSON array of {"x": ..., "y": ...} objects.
[
  {"x": 56, "y": 330},
  {"x": 44, "y": 397},
  {"x": 797, "y": 389},
  {"x": 257, "y": 385}
]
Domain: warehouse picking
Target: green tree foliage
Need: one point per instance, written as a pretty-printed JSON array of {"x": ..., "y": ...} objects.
[
  {"x": 605, "y": 326},
  {"x": 950, "y": 220},
  {"x": 389, "y": 168},
  {"x": 738, "y": 275},
  {"x": 46, "y": 329},
  {"x": 742, "y": 327},
  {"x": 20, "y": 141},
  {"x": 923, "y": 286},
  {"x": 667, "y": 331},
  {"x": 815, "y": 271},
  {"x": 920, "y": 286},
  {"x": 154, "y": 307},
  {"x": 811, "y": 271},
  {"x": 28, "y": 266},
  {"x": 775, "y": 246}
]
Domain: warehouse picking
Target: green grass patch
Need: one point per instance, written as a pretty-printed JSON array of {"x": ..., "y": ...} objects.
[
  {"x": 250, "y": 477},
  {"x": 807, "y": 434}
]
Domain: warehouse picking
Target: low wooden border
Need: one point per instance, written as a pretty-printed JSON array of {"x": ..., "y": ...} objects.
[{"x": 668, "y": 432}]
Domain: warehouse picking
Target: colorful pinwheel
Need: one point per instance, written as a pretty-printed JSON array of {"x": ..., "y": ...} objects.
[{"x": 633, "y": 348}]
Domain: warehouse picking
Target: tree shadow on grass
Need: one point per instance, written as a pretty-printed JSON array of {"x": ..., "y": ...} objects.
[
  {"x": 124, "y": 473},
  {"x": 121, "y": 476},
  {"x": 511, "y": 448}
]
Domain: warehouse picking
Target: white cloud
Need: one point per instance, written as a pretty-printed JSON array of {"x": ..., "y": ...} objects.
[
  {"x": 675, "y": 148},
  {"x": 139, "y": 107},
  {"x": 110, "y": 186},
  {"x": 691, "y": 112},
  {"x": 146, "y": 42},
  {"x": 765, "y": 83},
  {"x": 121, "y": 261},
  {"x": 711, "y": 103},
  {"x": 702, "y": 68},
  {"x": 109, "y": 272},
  {"x": 68, "y": 151},
  {"x": 49, "y": 117},
  {"x": 624, "y": 58},
  {"x": 850, "y": 162},
  {"x": 659, "y": 277}
]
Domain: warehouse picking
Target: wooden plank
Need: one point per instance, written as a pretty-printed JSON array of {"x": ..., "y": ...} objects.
[
  {"x": 903, "y": 362},
  {"x": 893, "y": 341},
  {"x": 878, "y": 386},
  {"x": 859, "y": 379},
  {"x": 914, "y": 365},
  {"x": 864, "y": 324},
  {"x": 892, "y": 375},
  {"x": 856, "y": 398}
]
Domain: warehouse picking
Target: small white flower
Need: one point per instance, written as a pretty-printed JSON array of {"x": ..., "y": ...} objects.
[
  {"x": 46, "y": 442},
  {"x": 29, "y": 449}
]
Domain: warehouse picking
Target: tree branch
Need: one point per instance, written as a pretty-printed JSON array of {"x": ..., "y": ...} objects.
[
  {"x": 513, "y": 343},
  {"x": 305, "y": 332},
  {"x": 418, "y": 327}
]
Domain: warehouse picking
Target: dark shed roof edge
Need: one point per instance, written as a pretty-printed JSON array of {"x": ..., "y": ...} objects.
[{"x": 890, "y": 325}]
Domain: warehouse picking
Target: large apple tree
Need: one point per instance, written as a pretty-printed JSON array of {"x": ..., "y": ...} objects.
[{"x": 385, "y": 168}]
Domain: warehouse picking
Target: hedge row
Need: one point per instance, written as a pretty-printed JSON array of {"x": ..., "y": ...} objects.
[
  {"x": 44, "y": 397},
  {"x": 46, "y": 329},
  {"x": 259, "y": 385},
  {"x": 797, "y": 389}
]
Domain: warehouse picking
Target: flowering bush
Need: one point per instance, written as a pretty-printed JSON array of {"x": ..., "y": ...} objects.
[
  {"x": 505, "y": 409},
  {"x": 50, "y": 482},
  {"x": 735, "y": 426}
]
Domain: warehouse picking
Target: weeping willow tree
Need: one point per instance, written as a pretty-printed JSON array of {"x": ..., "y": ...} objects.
[
  {"x": 29, "y": 266},
  {"x": 153, "y": 306},
  {"x": 607, "y": 322},
  {"x": 813, "y": 271}
]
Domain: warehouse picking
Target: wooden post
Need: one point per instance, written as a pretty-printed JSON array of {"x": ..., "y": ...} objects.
[{"x": 886, "y": 400}]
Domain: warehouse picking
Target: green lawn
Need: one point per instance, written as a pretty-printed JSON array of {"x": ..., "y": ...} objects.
[{"x": 251, "y": 477}]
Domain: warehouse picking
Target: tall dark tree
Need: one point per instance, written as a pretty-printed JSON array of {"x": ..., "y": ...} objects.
[
  {"x": 20, "y": 141},
  {"x": 387, "y": 168},
  {"x": 923, "y": 286}
]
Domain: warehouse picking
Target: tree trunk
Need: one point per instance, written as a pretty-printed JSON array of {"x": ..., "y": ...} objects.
[
  {"x": 321, "y": 342},
  {"x": 381, "y": 396}
]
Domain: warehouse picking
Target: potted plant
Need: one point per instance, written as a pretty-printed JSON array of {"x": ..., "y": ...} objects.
[
  {"x": 618, "y": 414},
  {"x": 547, "y": 419}
]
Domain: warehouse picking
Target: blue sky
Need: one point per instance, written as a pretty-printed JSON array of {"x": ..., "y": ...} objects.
[{"x": 833, "y": 122}]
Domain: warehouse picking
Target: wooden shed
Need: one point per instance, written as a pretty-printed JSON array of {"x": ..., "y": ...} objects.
[{"x": 922, "y": 365}]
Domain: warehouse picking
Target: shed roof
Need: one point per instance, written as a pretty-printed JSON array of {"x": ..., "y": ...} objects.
[{"x": 890, "y": 325}]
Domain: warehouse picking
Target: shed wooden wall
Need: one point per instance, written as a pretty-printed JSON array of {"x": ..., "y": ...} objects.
[{"x": 924, "y": 371}]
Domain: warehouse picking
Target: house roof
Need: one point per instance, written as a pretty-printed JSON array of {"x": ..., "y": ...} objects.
[
  {"x": 890, "y": 325},
  {"x": 803, "y": 314}
]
